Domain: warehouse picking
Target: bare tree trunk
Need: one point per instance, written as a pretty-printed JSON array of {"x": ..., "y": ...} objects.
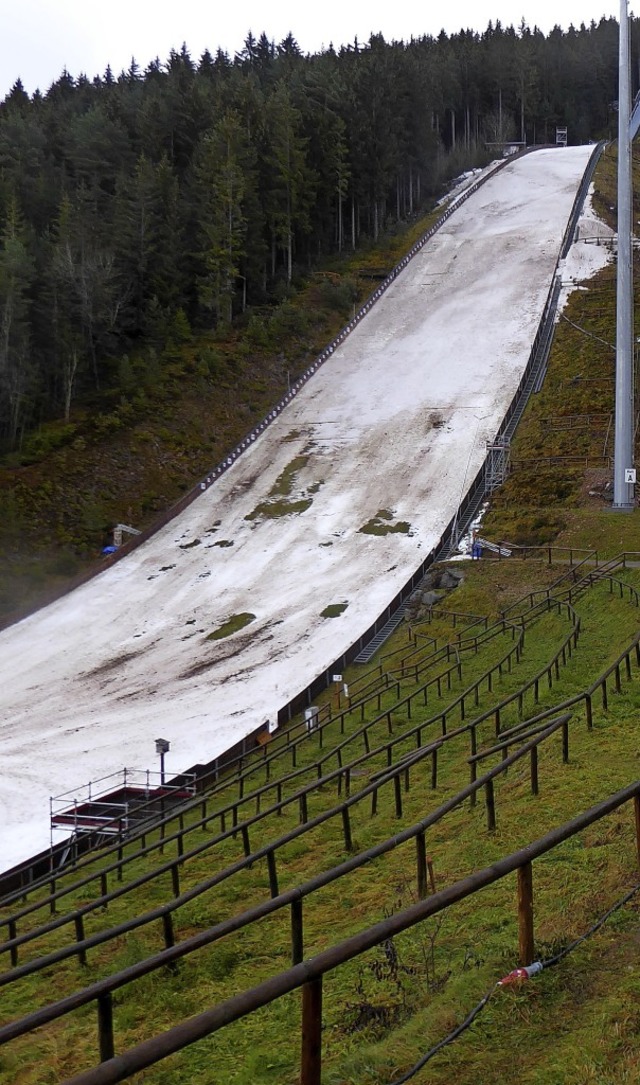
[{"x": 69, "y": 371}]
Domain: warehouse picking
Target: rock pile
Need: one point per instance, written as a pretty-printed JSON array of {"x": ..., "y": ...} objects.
[{"x": 437, "y": 583}]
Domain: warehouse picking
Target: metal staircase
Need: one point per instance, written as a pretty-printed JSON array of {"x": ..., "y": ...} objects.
[{"x": 382, "y": 635}]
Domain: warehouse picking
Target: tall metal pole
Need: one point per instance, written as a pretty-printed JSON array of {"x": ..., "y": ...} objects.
[{"x": 623, "y": 490}]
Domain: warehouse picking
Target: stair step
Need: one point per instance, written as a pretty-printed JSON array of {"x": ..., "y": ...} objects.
[{"x": 381, "y": 636}]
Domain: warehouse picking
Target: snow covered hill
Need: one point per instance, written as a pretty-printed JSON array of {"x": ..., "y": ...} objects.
[{"x": 394, "y": 423}]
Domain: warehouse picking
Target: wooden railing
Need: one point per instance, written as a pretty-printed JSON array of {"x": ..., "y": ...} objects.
[
  {"x": 341, "y": 773},
  {"x": 292, "y": 898},
  {"x": 308, "y": 975}
]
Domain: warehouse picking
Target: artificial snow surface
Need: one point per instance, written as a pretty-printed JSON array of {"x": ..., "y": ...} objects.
[
  {"x": 396, "y": 420},
  {"x": 592, "y": 249}
]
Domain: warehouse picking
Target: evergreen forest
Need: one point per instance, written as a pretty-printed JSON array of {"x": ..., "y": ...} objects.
[{"x": 139, "y": 209}]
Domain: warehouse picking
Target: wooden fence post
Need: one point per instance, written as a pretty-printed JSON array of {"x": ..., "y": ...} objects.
[
  {"x": 473, "y": 774},
  {"x": 565, "y": 742},
  {"x": 105, "y": 1026},
  {"x": 491, "y": 805},
  {"x": 636, "y": 811},
  {"x": 311, "y": 1060},
  {"x": 273, "y": 873},
  {"x": 13, "y": 933},
  {"x": 589, "y": 711},
  {"x": 167, "y": 930},
  {"x": 534, "y": 770},
  {"x": 421, "y": 862},
  {"x": 79, "y": 925},
  {"x": 525, "y": 915},
  {"x": 297, "y": 932},
  {"x": 346, "y": 829}
]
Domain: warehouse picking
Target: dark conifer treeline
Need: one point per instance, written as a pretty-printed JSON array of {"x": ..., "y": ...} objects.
[{"x": 187, "y": 192}]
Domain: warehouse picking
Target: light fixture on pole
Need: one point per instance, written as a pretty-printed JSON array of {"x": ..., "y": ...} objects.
[{"x": 162, "y": 747}]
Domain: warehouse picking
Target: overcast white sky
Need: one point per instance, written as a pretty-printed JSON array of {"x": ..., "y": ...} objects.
[{"x": 41, "y": 37}]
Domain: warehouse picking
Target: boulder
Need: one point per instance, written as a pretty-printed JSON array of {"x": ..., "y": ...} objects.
[
  {"x": 451, "y": 578},
  {"x": 430, "y": 598}
]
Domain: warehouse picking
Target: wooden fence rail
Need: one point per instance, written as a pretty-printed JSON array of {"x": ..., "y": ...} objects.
[
  {"x": 172, "y": 867},
  {"x": 13, "y": 941},
  {"x": 289, "y": 898},
  {"x": 244, "y": 762},
  {"x": 308, "y": 974}
]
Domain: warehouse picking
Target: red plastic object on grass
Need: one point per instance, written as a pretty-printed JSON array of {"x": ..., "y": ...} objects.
[{"x": 520, "y": 974}]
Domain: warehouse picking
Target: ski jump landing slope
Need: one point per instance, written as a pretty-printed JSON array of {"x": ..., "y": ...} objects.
[{"x": 396, "y": 420}]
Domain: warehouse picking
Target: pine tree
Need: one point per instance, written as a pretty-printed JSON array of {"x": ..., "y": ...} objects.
[
  {"x": 289, "y": 182},
  {"x": 221, "y": 184},
  {"x": 16, "y": 371}
]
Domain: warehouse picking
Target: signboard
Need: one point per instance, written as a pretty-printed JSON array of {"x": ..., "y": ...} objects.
[{"x": 630, "y": 475}]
